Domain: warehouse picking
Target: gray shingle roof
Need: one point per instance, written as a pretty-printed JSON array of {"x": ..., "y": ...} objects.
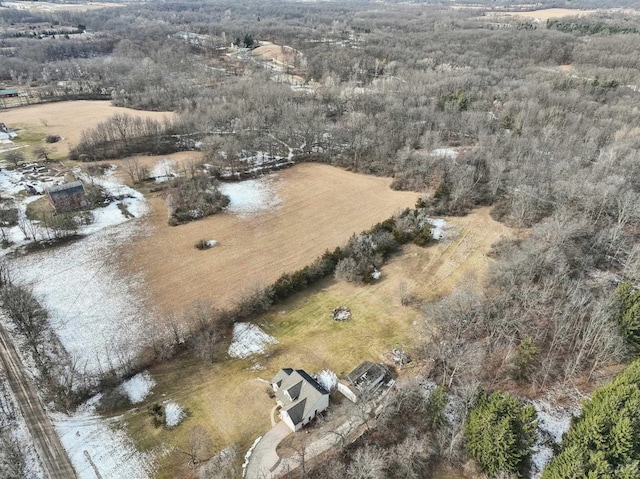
[
  {"x": 67, "y": 188},
  {"x": 302, "y": 392}
]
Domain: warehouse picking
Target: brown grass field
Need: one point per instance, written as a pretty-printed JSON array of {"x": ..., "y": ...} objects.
[
  {"x": 227, "y": 400},
  {"x": 546, "y": 14},
  {"x": 281, "y": 54},
  {"x": 321, "y": 206},
  {"x": 67, "y": 119},
  {"x": 60, "y": 7}
]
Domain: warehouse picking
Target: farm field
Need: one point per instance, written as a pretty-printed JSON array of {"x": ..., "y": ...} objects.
[
  {"x": 67, "y": 119},
  {"x": 546, "y": 13},
  {"x": 282, "y": 55},
  {"x": 59, "y": 7},
  {"x": 232, "y": 405},
  {"x": 313, "y": 207}
]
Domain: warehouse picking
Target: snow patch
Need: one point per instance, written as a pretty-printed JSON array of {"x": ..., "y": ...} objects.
[
  {"x": 164, "y": 170},
  {"x": 445, "y": 153},
  {"x": 173, "y": 414},
  {"x": 247, "y": 456},
  {"x": 248, "y": 339},
  {"x": 327, "y": 379},
  {"x": 439, "y": 227},
  {"x": 251, "y": 196},
  {"x": 98, "y": 445},
  {"x": 138, "y": 387},
  {"x": 553, "y": 423},
  {"x": 132, "y": 199}
]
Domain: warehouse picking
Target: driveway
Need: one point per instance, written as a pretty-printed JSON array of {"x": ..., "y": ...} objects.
[{"x": 264, "y": 459}]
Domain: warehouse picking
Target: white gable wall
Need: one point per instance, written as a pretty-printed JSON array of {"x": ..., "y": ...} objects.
[{"x": 321, "y": 405}]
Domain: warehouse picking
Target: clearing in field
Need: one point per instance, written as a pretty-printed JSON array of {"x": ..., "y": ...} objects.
[
  {"x": 282, "y": 55},
  {"x": 67, "y": 119},
  {"x": 546, "y": 14},
  {"x": 312, "y": 208},
  {"x": 228, "y": 401}
]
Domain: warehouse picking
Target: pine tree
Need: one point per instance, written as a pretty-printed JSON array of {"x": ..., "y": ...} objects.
[
  {"x": 500, "y": 433},
  {"x": 604, "y": 442}
]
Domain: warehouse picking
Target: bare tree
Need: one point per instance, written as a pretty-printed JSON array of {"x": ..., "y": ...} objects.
[
  {"x": 368, "y": 463},
  {"x": 15, "y": 157},
  {"x": 135, "y": 170},
  {"x": 41, "y": 152},
  {"x": 199, "y": 445}
]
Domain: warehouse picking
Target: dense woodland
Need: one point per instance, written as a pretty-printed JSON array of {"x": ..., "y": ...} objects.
[{"x": 543, "y": 116}]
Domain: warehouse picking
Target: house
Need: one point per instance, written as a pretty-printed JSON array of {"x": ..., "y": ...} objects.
[
  {"x": 364, "y": 379},
  {"x": 67, "y": 197},
  {"x": 299, "y": 396}
]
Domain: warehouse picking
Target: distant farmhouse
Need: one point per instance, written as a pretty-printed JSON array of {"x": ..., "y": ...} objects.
[
  {"x": 300, "y": 397},
  {"x": 67, "y": 197},
  {"x": 364, "y": 379},
  {"x": 5, "y": 133}
]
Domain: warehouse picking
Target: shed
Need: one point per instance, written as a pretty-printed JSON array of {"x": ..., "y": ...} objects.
[
  {"x": 67, "y": 197},
  {"x": 367, "y": 376}
]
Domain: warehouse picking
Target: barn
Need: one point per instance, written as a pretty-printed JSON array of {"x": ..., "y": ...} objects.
[{"x": 67, "y": 197}]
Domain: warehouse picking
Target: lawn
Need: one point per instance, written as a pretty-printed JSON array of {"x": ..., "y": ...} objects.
[{"x": 228, "y": 401}]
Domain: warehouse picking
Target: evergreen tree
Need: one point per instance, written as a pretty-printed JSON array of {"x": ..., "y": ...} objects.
[
  {"x": 604, "y": 442},
  {"x": 500, "y": 433},
  {"x": 629, "y": 315}
]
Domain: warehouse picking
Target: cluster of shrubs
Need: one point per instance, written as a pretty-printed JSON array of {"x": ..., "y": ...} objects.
[
  {"x": 355, "y": 262},
  {"x": 194, "y": 198}
]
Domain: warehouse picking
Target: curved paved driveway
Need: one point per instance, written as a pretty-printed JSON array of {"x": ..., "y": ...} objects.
[{"x": 264, "y": 459}]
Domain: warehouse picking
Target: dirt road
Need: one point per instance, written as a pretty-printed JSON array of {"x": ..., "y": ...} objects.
[{"x": 52, "y": 455}]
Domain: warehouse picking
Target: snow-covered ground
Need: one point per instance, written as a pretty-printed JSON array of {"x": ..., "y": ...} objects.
[
  {"x": 164, "y": 170},
  {"x": 439, "y": 228},
  {"x": 173, "y": 414},
  {"x": 97, "y": 448},
  {"x": 251, "y": 196},
  {"x": 248, "y": 339},
  {"x": 445, "y": 153},
  {"x": 17, "y": 430},
  {"x": 138, "y": 387},
  {"x": 95, "y": 312},
  {"x": 131, "y": 199},
  {"x": 553, "y": 422}
]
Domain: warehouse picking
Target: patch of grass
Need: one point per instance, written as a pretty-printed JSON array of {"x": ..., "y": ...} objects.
[
  {"x": 226, "y": 398},
  {"x": 29, "y": 136},
  {"x": 309, "y": 338},
  {"x": 37, "y": 209}
]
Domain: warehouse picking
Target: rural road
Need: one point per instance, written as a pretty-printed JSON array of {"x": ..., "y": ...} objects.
[{"x": 52, "y": 455}]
